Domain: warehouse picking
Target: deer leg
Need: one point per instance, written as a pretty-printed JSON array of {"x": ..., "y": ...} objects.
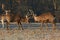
[
  {"x": 20, "y": 25},
  {"x": 41, "y": 25},
  {"x": 2, "y": 23},
  {"x": 54, "y": 25},
  {"x": 7, "y": 25},
  {"x": 46, "y": 25}
]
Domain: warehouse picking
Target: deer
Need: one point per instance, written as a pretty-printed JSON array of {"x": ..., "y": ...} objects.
[
  {"x": 43, "y": 18},
  {"x": 17, "y": 19},
  {"x": 8, "y": 18},
  {"x": 5, "y": 17},
  {"x": 25, "y": 19}
]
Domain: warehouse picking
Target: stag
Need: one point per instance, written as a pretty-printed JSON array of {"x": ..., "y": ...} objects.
[{"x": 43, "y": 18}]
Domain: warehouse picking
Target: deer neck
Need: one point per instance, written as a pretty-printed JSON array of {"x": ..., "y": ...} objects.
[
  {"x": 6, "y": 13},
  {"x": 35, "y": 17}
]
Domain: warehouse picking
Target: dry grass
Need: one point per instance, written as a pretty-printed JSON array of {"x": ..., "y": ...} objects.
[{"x": 29, "y": 34}]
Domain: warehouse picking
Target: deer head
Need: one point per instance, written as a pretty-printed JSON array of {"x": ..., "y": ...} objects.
[
  {"x": 7, "y": 11},
  {"x": 27, "y": 15}
]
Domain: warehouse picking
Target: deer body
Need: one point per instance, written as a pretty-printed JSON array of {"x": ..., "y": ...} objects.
[
  {"x": 5, "y": 17},
  {"x": 43, "y": 18}
]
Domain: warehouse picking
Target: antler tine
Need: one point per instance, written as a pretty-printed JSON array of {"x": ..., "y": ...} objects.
[
  {"x": 32, "y": 12},
  {"x": 28, "y": 13}
]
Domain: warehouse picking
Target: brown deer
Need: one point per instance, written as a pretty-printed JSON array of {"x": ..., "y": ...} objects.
[
  {"x": 43, "y": 18},
  {"x": 25, "y": 18},
  {"x": 8, "y": 18},
  {"x": 17, "y": 19},
  {"x": 5, "y": 17}
]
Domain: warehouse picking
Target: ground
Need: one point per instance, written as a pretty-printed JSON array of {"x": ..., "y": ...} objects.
[{"x": 29, "y": 34}]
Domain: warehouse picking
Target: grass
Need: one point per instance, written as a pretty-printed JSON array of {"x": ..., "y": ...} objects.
[{"x": 29, "y": 34}]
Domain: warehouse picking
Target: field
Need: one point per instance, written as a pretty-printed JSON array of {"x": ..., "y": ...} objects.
[{"x": 31, "y": 32}]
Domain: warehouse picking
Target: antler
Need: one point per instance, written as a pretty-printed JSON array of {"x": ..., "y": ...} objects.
[{"x": 31, "y": 11}]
